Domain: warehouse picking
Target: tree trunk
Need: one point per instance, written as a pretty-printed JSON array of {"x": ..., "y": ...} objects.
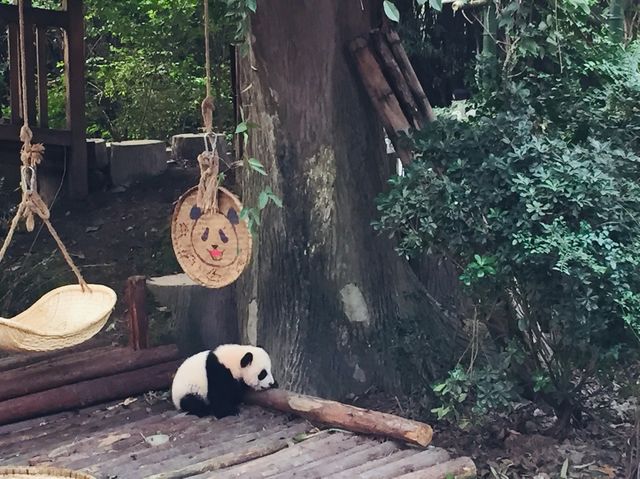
[{"x": 332, "y": 301}]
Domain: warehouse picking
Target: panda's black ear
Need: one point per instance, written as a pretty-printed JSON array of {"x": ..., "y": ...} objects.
[{"x": 246, "y": 360}]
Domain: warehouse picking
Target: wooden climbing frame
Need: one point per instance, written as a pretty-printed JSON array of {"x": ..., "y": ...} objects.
[{"x": 70, "y": 18}]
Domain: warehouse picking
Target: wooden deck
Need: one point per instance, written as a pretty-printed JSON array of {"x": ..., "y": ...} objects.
[{"x": 149, "y": 439}]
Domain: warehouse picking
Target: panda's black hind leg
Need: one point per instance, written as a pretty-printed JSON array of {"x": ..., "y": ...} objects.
[{"x": 196, "y": 405}]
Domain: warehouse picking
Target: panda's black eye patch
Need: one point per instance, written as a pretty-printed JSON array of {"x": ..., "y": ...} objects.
[{"x": 262, "y": 375}]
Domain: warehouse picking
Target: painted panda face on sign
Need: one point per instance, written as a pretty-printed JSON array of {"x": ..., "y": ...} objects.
[{"x": 214, "y": 237}]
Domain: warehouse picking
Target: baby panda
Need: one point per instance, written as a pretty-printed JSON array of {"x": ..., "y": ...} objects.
[{"x": 214, "y": 382}]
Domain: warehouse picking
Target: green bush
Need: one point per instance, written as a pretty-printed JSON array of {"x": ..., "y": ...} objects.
[{"x": 545, "y": 232}]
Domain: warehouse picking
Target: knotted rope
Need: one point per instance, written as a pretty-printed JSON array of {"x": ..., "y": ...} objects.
[
  {"x": 208, "y": 160},
  {"x": 31, "y": 156}
]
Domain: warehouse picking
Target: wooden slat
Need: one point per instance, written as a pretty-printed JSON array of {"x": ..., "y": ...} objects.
[
  {"x": 41, "y": 55},
  {"x": 74, "y": 77},
  {"x": 40, "y": 135},
  {"x": 38, "y": 16}
]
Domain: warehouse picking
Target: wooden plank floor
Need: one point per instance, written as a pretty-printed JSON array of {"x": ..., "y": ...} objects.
[{"x": 142, "y": 440}]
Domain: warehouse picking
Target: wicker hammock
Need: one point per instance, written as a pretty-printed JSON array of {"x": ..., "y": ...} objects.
[
  {"x": 41, "y": 473},
  {"x": 63, "y": 317}
]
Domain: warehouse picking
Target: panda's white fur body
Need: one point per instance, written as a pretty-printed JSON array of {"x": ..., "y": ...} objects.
[{"x": 214, "y": 382}]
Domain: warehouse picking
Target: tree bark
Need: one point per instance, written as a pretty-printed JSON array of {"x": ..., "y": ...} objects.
[{"x": 331, "y": 301}]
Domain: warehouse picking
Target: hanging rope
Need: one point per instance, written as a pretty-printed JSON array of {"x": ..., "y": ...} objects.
[
  {"x": 208, "y": 161},
  {"x": 31, "y": 156}
]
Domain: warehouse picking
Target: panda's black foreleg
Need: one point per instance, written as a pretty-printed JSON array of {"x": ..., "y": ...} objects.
[{"x": 196, "y": 405}]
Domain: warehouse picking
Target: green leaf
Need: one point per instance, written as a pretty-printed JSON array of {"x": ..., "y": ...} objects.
[
  {"x": 276, "y": 200},
  {"x": 263, "y": 199},
  {"x": 252, "y": 5},
  {"x": 244, "y": 213},
  {"x": 256, "y": 166},
  {"x": 241, "y": 128},
  {"x": 436, "y": 5},
  {"x": 391, "y": 11}
]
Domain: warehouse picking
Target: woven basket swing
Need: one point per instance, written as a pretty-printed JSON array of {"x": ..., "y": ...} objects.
[
  {"x": 66, "y": 316},
  {"x": 41, "y": 473},
  {"x": 211, "y": 242}
]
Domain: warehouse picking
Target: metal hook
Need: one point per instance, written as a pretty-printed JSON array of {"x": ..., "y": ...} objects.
[{"x": 28, "y": 178}]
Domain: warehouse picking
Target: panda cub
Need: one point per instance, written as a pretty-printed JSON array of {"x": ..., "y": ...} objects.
[{"x": 214, "y": 382}]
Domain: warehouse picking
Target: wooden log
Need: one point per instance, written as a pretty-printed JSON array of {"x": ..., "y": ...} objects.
[
  {"x": 136, "y": 297},
  {"x": 88, "y": 393},
  {"x": 343, "y": 416},
  {"x": 80, "y": 367},
  {"x": 383, "y": 99},
  {"x": 412, "y": 79},
  {"x": 397, "y": 80}
]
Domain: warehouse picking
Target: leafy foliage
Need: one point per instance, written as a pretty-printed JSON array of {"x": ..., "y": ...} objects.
[{"x": 535, "y": 221}]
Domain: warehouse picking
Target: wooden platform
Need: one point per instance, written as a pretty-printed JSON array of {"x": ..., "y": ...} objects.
[{"x": 149, "y": 439}]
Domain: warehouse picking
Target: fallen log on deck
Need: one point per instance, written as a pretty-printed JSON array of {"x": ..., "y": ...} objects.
[
  {"x": 343, "y": 416},
  {"x": 88, "y": 393},
  {"x": 80, "y": 367}
]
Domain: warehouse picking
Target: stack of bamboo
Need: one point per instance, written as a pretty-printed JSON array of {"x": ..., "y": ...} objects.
[{"x": 392, "y": 85}]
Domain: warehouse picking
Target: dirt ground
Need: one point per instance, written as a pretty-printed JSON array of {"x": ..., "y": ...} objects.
[{"x": 118, "y": 233}]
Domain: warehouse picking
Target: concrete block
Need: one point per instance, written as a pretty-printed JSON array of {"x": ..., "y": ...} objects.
[
  {"x": 187, "y": 146},
  {"x": 136, "y": 159},
  {"x": 97, "y": 153}
]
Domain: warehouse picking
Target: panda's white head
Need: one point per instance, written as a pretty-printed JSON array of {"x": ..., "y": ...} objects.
[{"x": 251, "y": 364}]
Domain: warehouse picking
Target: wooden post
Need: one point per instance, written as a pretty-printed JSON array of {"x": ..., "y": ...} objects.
[
  {"x": 14, "y": 73},
  {"x": 30, "y": 61},
  {"x": 41, "y": 56},
  {"x": 351, "y": 418},
  {"x": 136, "y": 293},
  {"x": 74, "y": 76}
]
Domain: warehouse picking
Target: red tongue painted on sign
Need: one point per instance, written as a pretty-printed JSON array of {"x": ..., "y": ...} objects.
[{"x": 215, "y": 253}]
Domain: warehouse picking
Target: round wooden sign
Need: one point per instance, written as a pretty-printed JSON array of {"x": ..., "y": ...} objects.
[{"x": 212, "y": 248}]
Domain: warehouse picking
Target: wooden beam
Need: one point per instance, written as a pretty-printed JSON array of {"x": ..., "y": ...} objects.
[
  {"x": 88, "y": 393},
  {"x": 343, "y": 416},
  {"x": 136, "y": 297},
  {"x": 40, "y": 135},
  {"x": 74, "y": 57},
  {"x": 36, "y": 16},
  {"x": 79, "y": 367}
]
